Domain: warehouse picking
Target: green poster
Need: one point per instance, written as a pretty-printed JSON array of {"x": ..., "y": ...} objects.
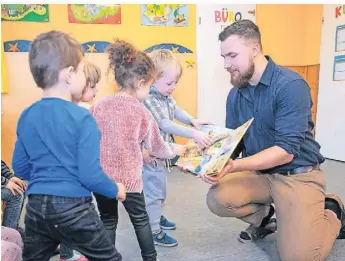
[{"x": 27, "y": 13}]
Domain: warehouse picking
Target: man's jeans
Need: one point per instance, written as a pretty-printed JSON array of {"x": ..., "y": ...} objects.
[
  {"x": 51, "y": 220},
  {"x": 14, "y": 205}
]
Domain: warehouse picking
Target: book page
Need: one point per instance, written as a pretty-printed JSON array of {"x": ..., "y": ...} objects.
[{"x": 210, "y": 161}]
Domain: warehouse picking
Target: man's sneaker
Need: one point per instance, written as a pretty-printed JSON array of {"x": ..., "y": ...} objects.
[
  {"x": 267, "y": 226},
  {"x": 166, "y": 224},
  {"x": 162, "y": 239},
  {"x": 334, "y": 203}
]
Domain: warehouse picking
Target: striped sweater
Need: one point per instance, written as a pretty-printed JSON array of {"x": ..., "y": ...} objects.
[
  {"x": 127, "y": 126},
  {"x": 6, "y": 174}
]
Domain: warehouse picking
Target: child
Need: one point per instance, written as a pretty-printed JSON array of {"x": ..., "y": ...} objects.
[
  {"x": 164, "y": 109},
  {"x": 57, "y": 151},
  {"x": 11, "y": 244},
  {"x": 93, "y": 76},
  {"x": 126, "y": 126},
  {"x": 12, "y": 192}
]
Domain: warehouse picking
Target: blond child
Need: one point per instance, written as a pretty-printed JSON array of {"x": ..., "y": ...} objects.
[
  {"x": 164, "y": 110},
  {"x": 126, "y": 127}
]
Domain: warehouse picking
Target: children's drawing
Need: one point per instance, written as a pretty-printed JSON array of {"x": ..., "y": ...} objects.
[
  {"x": 211, "y": 161},
  {"x": 164, "y": 14},
  {"x": 25, "y": 12},
  {"x": 94, "y": 14}
]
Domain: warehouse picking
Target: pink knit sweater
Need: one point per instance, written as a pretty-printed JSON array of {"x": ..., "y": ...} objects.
[{"x": 126, "y": 125}]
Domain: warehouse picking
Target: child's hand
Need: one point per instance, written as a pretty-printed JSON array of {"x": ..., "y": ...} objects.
[
  {"x": 121, "y": 195},
  {"x": 203, "y": 139},
  {"x": 147, "y": 157},
  {"x": 197, "y": 123},
  {"x": 180, "y": 150}
]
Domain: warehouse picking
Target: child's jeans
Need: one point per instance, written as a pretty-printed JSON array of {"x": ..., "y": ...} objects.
[
  {"x": 14, "y": 205},
  {"x": 135, "y": 207},
  {"x": 66, "y": 252},
  {"x": 51, "y": 220},
  {"x": 155, "y": 190}
]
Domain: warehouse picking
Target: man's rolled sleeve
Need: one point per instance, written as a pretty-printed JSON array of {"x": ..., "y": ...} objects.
[{"x": 292, "y": 114}]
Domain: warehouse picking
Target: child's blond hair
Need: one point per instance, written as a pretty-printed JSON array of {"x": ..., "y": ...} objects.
[
  {"x": 165, "y": 59},
  {"x": 92, "y": 74}
]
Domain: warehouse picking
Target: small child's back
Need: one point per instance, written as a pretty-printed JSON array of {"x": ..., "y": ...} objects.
[
  {"x": 126, "y": 124},
  {"x": 52, "y": 134}
]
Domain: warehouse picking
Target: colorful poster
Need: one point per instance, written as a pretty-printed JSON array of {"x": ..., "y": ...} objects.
[
  {"x": 94, "y": 14},
  {"x": 28, "y": 13},
  {"x": 164, "y": 15},
  {"x": 340, "y": 38},
  {"x": 339, "y": 68}
]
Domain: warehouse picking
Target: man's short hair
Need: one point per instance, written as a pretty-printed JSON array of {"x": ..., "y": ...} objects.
[{"x": 245, "y": 29}]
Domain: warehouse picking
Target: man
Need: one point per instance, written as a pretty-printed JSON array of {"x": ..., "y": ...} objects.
[{"x": 281, "y": 160}]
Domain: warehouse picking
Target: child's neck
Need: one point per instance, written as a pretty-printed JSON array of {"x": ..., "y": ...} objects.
[
  {"x": 127, "y": 92},
  {"x": 55, "y": 92}
]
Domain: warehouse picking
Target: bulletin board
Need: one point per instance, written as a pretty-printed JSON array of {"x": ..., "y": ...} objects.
[{"x": 330, "y": 128}]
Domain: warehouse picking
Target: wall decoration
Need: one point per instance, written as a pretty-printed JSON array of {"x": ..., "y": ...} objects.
[
  {"x": 25, "y": 12},
  {"x": 4, "y": 81},
  {"x": 17, "y": 46},
  {"x": 190, "y": 64},
  {"x": 164, "y": 14},
  {"x": 92, "y": 47},
  {"x": 94, "y": 14},
  {"x": 339, "y": 68},
  {"x": 176, "y": 48},
  {"x": 95, "y": 46},
  {"x": 340, "y": 38}
]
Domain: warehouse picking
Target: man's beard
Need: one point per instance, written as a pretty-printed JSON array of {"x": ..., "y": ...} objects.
[{"x": 242, "y": 80}]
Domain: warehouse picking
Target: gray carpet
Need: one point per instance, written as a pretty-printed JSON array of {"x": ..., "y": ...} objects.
[{"x": 203, "y": 236}]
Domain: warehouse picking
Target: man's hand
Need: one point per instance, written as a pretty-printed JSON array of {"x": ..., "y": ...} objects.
[
  {"x": 198, "y": 123},
  {"x": 19, "y": 182},
  {"x": 13, "y": 187},
  {"x": 228, "y": 168},
  {"x": 147, "y": 157},
  {"x": 121, "y": 195}
]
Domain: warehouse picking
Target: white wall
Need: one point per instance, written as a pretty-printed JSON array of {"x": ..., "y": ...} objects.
[
  {"x": 330, "y": 127},
  {"x": 213, "y": 80}
]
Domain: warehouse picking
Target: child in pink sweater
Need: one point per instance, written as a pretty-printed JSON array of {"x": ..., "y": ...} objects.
[{"x": 127, "y": 126}]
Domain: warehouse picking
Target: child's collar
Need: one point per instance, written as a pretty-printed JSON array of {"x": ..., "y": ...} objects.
[{"x": 154, "y": 90}]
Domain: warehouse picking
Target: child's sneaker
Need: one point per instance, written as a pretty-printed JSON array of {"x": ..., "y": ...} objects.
[
  {"x": 166, "y": 224},
  {"x": 162, "y": 239}
]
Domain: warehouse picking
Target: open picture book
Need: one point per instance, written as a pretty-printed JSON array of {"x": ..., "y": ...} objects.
[{"x": 211, "y": 161}]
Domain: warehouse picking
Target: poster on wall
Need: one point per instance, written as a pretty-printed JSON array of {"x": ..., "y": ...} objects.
[
  {"x": 25, "y": 12},
  {"x": 339, "y": 68},
  {"x": 164, "y": 14},
  {"x": 94, "y": 14},
  {"x": 340, "y": 38}
]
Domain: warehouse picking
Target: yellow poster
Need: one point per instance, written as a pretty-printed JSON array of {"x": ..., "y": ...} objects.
[{"x": 4, "y": 82}]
